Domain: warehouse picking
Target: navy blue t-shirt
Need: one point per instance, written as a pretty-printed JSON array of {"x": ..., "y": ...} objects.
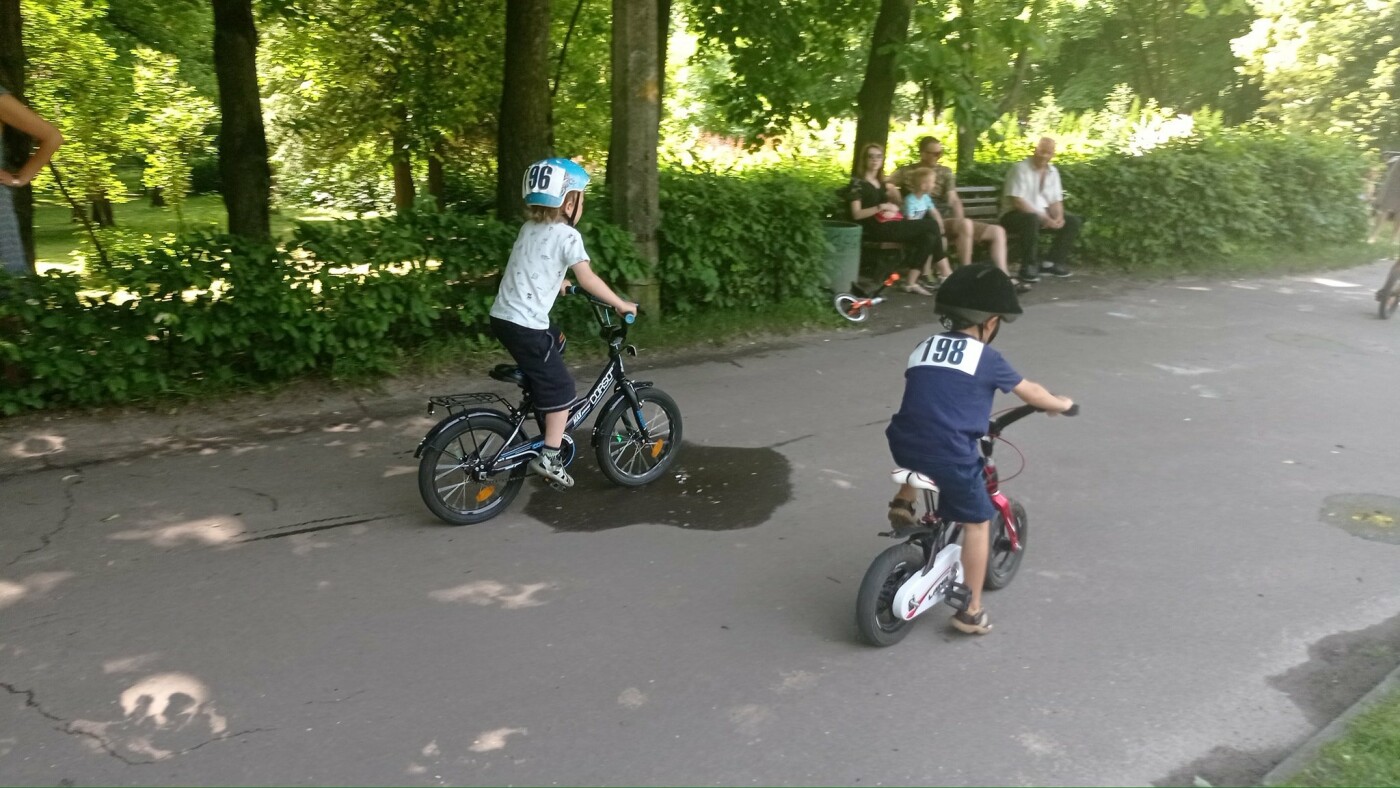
[{"x": 948, "y": 389}]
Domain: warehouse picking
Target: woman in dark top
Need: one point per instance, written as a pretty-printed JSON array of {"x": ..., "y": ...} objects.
[{"x": 870, "y": 196}]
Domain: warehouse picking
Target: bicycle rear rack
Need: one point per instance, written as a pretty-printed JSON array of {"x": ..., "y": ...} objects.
[{"x": 456, "y": 403}]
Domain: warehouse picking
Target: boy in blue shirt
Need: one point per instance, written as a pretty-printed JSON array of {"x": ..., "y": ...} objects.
[
  {"x": 950, "y": 382},
  {"x": 547, "y": 248}
]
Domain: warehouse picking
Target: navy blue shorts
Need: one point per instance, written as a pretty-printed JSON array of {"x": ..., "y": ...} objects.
[
  {"x": 962, "y": 492},
  {"x": 539, "y": 354}
]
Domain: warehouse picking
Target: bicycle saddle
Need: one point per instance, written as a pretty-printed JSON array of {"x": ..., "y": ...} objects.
[
  {"x": 913, "y": 479},
  {"x": 509, "y": 373}
]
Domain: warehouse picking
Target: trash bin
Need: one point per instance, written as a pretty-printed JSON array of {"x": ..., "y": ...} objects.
[{"x": 843, "y": 257}]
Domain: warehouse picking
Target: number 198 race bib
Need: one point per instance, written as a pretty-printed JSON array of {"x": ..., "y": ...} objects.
[{"x": 959, "y": 352}]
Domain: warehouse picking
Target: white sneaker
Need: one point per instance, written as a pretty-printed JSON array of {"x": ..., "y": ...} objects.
[{"x": 552, "y": 470}]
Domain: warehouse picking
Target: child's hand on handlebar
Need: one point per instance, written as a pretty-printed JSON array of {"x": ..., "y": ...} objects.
[
  {"x": 566, "y": 287},
  {"x": 627, "y": 308},
  {"x": 1066, "y": 402}
]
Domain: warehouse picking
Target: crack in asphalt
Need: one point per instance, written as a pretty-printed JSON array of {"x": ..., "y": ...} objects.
[
  {"x": 65, "y": 726},
  {"x": 316, "y": 527},
  {"x": 260, "y": 494},
  {"x": 46, "y": 539}
]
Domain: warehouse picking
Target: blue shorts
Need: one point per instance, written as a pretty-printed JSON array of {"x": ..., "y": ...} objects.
[{"x": 962, "y": 492}]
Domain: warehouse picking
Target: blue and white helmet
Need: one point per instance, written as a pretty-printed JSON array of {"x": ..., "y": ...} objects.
[{"x": 549, "y": 181}]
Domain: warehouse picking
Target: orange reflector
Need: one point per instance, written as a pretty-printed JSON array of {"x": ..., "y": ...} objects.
[
  {"x": 656, "y": 449},
  {"x": 486, "y": 492}
]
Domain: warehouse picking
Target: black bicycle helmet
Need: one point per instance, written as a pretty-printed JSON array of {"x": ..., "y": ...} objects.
[{"x": 974, "y": 294}]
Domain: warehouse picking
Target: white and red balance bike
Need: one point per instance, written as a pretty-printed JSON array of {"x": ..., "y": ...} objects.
[{"x": 908, "y": 579}]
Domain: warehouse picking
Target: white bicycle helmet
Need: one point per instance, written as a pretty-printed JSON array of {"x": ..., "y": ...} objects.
[{"x": 548, "y": 181}]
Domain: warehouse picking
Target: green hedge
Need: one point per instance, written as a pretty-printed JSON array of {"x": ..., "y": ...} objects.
[
  {"x": 1186, "y": 205},
  {"x": 350, "y": 298}
]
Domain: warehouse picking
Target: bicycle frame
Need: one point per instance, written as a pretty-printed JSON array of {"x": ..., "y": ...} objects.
[
  {"x": 942, "y": 575},
  {"x": 613, "y": 378}
]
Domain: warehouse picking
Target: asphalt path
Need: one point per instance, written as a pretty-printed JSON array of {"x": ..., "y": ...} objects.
[{"x": 1211, "y": 575}]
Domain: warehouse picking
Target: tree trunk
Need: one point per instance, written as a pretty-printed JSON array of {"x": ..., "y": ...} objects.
[
  {"x": 636, "y": 130},
  {"x": 876, "y": 98},
  {"x": 247, "y": 178},
  {"x": 404, "y": 191},
  {"x": 17, "y": 143},
  {"x": 102, "y": 215},
  {"x": 437, "y": 179},
  {"x": 524, "y": 131},
  {"x": 157, "y": 197}
]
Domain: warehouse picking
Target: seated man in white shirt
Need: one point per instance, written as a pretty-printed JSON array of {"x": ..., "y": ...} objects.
[{"x": 1032, "y": 201}]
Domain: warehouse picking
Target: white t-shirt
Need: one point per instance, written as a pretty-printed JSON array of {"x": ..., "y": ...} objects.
[
  {"x": 1039, "y": 190},
  {"x": 542, "y": 254}
]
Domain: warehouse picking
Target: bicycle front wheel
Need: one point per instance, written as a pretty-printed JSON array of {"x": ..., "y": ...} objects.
[
  {"x": 632, "y": 452},
  {"x": 1389, "y": 296},
  {"x": 452, "y": 475},
  {"x": 1002, "y": 561},
  {"x": 875, "y": 617},
  {"x": 847, "y": 307}
]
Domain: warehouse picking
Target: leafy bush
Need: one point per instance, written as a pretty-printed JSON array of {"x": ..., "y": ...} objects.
[
  {"x": 1188, "y": 203},
  {"x": 740, "y": 241}
]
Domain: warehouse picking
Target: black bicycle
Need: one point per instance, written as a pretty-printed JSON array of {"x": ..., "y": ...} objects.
[
  {"x": 1389, "y": 294},
  {"x": 472, "y": 463}
]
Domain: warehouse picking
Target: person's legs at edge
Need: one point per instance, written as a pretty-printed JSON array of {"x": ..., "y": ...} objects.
[
  {"x": 995, "y": 237},
  {"x": 965, "y": 236},
  {"x": 1064, "y": 241},
  {"x": 1025, "y": 228}
]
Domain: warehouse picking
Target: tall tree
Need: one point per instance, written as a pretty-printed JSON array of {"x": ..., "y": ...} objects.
[
  {"x": 876, "y": 98},
  {"x": 247, "y": 178},
  {"x": 17, "y": 143},
  {"x": 524, "y": 131},
  {"x": 636, "y": 130}
]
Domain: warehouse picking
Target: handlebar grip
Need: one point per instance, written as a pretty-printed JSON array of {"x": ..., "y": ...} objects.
[
  {"x": 571, "y": 290},
  {"x": 1073, "y": 410},
  {"x": 629, "y": 319}
]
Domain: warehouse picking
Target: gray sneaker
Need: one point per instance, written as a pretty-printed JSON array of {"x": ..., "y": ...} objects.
[
  {"x": 552, "y": 470},
  {"x": 1059, "y": 271},
  {"x": 1029, "y": 274}
]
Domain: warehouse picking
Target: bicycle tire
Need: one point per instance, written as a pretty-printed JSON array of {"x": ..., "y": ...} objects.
[
  {"x": 875, "y": 618},
  {"x": 449, "y": 465},
  {"x": 629, "y": 457},
  {"x": 1002, "y": 561},
  {"x": 1389, "y": 296},
  {"x": 843, "y": 304}
]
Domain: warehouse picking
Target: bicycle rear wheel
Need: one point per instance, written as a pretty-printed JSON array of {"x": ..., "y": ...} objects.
[
  {"x": 1389, "y": 296},
  {"x": 452, "y": 477},
  {"x": 875, "y": 616},
  {"x": 1002, "y": 561}
]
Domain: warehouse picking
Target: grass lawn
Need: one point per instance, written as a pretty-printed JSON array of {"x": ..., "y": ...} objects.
[
  {"x": 57, "y": 236},
  {"x": 1367, "y": 754}
]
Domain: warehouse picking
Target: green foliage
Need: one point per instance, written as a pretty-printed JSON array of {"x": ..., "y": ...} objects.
[
  {"x": 741, "y": 241},
  {"x": 173, "y": 131},
  {"x": 74, "y": 82},
  {"x": 1187, "y": 204},
  {"x": 1328, "y": 65}
]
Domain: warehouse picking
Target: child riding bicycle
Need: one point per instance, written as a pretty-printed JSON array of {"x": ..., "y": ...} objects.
[
  {"x": 547, "y": 247},
  {"x": 950, "y": 381}
]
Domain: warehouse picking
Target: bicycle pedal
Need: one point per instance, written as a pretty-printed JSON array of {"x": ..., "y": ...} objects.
[{"x": 957, "y": 596}]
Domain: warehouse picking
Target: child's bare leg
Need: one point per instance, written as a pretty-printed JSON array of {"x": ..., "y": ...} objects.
[
  {"x": 974, "y": 560},
  {"x": 944, "y": 270},
  {"x": 554, "y": 424}
]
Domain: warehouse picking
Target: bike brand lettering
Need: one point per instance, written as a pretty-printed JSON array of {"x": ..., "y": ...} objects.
[{"x": 600, "y": 390}]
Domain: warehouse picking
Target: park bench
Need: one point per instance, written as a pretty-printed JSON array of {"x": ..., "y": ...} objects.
[{"x": 982, "y": 203}]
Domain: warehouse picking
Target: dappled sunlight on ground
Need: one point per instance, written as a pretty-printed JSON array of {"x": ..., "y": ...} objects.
[
  {"x": 163, "y": 715},
  {"x": 209, "y": 531},
  {"x": 35, "y": 585},
  {"x": 496, "y": 739},
  {"x": 33, "y": 446},
  {"x": 490, "y": 592}
]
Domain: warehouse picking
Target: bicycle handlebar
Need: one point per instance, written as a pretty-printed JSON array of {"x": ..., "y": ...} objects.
[
  {"x": 576, "y": 290},
  {"x": 1016, "y": 414}
]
